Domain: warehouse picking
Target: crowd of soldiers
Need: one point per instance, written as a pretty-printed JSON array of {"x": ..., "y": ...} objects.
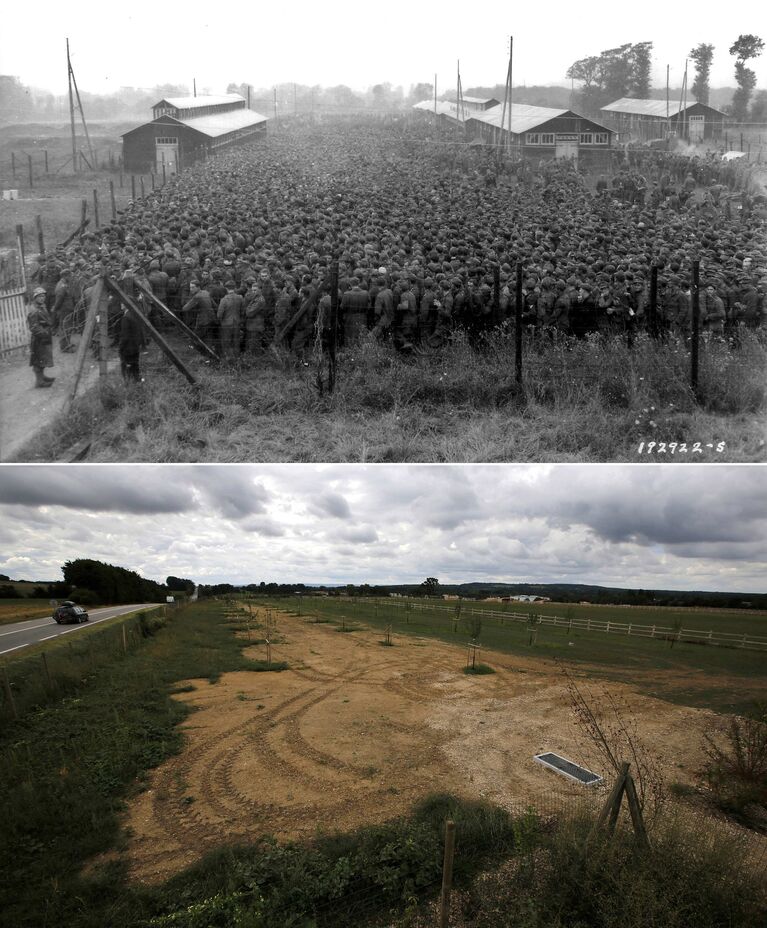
[{"x": 427, "y": 234}]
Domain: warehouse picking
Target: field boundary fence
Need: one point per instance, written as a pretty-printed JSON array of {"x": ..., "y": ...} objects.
[{"x": 668, "y": 633}]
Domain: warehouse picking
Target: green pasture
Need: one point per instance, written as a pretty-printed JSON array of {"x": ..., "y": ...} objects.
[{"x": 724, "y": 679}]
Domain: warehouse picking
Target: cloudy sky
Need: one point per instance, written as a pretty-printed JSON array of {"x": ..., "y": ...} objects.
[
  {"x": 145, "y": 43},
  {"x": 653, "y": 527}
]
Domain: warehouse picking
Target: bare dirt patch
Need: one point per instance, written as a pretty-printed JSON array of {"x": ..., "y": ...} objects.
[{"x": 355, "y": 733}]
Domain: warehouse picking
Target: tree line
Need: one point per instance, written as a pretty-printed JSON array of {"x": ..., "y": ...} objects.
[{"x": 624, "y": 71}]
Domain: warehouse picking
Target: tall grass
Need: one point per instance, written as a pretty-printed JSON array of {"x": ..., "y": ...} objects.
[{"x": 580, "y": 400}]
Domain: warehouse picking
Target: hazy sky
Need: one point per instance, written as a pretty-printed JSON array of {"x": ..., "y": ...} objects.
[
  {"x": 664, "y": 527},
  {"x": 145, "y": 43}
]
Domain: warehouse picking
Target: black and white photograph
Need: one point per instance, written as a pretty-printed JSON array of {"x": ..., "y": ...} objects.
[
  {"x": 317, "y": 233},
  {"x": 383, "y": 465}
]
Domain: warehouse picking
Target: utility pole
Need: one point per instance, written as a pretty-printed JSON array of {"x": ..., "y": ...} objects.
[
  {"x": 275, "y": 104},
  {"x": 511, "y": 77},
  {"x": 71, "y": 112},
  {"x": 435, "y": 98},
  {"x": 194, "y": 86}
]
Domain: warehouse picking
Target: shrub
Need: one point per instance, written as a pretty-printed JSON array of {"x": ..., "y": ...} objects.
[{"x": 737, "y": 771}]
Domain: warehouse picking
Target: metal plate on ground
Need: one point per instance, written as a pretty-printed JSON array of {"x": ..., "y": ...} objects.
[{"x": 568, "y": 769}]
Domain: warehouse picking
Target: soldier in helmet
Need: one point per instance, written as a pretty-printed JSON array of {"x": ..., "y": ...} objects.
[{"x": 40, "y": 322}]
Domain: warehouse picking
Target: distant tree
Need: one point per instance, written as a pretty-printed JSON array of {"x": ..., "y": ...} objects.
[
  {"x": 419, "y": 92},
  {"x": 430, "y": 586},
  {"x": 744, "y": 49},
  {"x": 702, "y": 55},
  {"x": 759, "y": 107},
  {"x": 640, "y": 81},
  {"x": 4, "y": 577},
  {"x": 176, "y": 583}
]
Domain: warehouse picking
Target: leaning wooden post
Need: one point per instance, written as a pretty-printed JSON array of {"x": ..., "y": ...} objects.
[
  {"x": 9, "y": 693},
  {"x": 613, "y": 801},
  {"x": 45, "y": 152},
  {"x": 695, "y": 326},
  {"x": 85, "y": 340},
  {"x": 83, "y": 213},
  {"x": 447, "y": 874},
  {"x": 164, "y": 346},
  {"x": 518, "y": 326},
  {"x": 112, "y": 199},
  {"x": 40, "y": 239},
  {"x": 95, "y": 208}
]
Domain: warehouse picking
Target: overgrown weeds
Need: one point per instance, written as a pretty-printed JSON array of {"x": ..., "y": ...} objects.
[
  {"x": 736, "y": 771},
  {"x": 590, "y": 399}
]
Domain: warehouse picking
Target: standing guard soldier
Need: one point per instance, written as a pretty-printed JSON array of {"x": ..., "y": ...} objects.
[{"x": 40, "y": 324}]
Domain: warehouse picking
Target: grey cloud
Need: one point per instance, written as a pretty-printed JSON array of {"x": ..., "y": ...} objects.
[
  {"x": 265, "y": 527},
  {"x": 332, "y": 504},
  {"x": 363, "y": 534},
  {"x": 230, "y": 490}
]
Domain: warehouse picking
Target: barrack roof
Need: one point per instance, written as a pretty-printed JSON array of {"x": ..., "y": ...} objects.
[
  {"x": 188, "y": 103},
  {"x": 214, "y": 125},
  {"x": 655, "y": 108}
]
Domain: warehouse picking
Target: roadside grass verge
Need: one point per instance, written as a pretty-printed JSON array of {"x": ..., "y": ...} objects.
[
  {"x": 585, "y": 400},
  {"x": 49, "y": 670},
  {"x": 68, "y": 767},
  {"x": 730, "y": 681}
]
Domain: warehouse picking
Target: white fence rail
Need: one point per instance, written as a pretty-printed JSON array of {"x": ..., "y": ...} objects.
[
  {"x": 14, "y": 333},
  {"x": 633, "y": 629}
]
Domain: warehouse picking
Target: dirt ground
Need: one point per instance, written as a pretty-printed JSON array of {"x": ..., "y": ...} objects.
[
  {"x": 355, "y": 733},
  {"x": 24, "y": 410}
]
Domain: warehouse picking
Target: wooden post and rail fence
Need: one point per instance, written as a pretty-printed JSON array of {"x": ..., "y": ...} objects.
[{"x": 672, "y": 634}]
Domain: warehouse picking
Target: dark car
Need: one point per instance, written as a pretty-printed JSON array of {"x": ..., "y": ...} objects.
[{"x": 68, "y": 613}]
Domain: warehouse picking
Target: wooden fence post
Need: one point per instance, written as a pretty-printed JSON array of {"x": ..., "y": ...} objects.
[
  {"x": 133, "y": 186},
  {"x": 45, "y": 152},
  {"x": 125, "y": 639},
  {"x": 20, "y": 243},
  {"x": 141, "y": 182},
  {"x": 31, "y": 178},
  {"x": 694, "y": 346},
  {"x": 447, "y": 874},
  {"x": 112, "y": 199},
  {"x": 9, "y": 693},
  {"x": 518, "y": 326},
  {"x": 95, "y": 208},
  {"x": 40, "y": 240},
  {"x": 46, "y": 669}
]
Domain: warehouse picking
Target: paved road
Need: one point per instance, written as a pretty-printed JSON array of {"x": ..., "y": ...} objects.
[{"x": 22, "y": 634}]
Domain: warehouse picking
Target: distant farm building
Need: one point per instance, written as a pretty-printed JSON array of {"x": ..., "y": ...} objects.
[
  {"x": 478, "y": 104},
  {"x": 657, "y": 119},
  {"x": 525, "y": 598},
  {"x": 185, "y": 129},
  {"x": 536, "y": 131}
]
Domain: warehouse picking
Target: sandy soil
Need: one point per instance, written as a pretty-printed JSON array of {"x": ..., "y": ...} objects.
[{"x": 356, "y": 733}]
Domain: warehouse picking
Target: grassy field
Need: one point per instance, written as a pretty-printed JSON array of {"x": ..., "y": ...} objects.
[
  {"x": 581, "y": 401},
  {"x": 17, "y": 610},
  {"x": 727, "y": 680},
  {"x": 57, "y": 195}
]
